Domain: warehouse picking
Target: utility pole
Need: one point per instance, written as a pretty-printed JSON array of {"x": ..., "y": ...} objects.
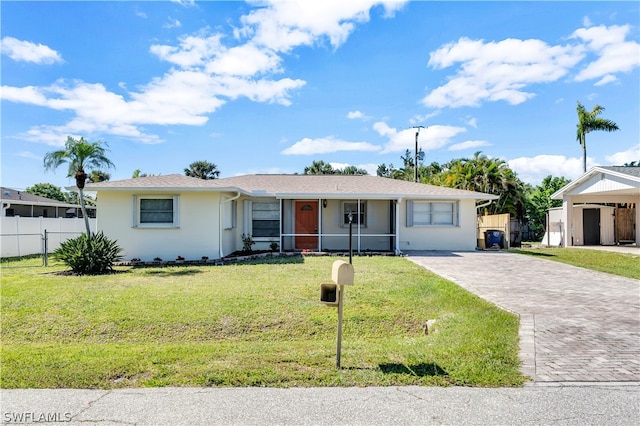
[{"x": 415, "y": 164}]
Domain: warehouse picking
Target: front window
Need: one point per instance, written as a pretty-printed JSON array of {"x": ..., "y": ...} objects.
[
  {"x": 265, "y": 219},
  {"x": 156, "y": 211},
  {"x": 358, "y": 216},
  {"x": 422, "y": 213}
]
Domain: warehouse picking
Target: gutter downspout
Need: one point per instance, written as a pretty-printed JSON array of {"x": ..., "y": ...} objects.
[
  {"x": 484, "y": 204},
  {"x": 220, "y": 230}
]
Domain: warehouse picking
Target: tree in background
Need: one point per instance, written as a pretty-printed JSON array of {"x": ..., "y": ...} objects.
[
  {"x": 98, "y": 176},
  {"x": 589, "y": 122},
  {"x": 138, "y": 174},
  {"x": 48, "y": 190},
  {"x": 78, "y": 154},
  {"x": 538, "y": 202},
  {"x": 319, "y": 168},
  {"x": 351, "y": 170},
  {"x": 487, "y": 175},
  {"x": 480, "y": 173},
  {"x": 202, "y": 170},
  {"x": 322, "y": 168}
]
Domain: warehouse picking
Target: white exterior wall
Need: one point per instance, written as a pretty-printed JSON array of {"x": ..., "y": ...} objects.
[
  {"x": 197, "y": 233},
  {"x": 460, "y": 237},
  {"x": 606, "y": 224},
  {"x": 59, "y": 229}
]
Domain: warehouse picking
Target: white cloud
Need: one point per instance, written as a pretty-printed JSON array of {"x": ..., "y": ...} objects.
[
  {"x": 472, "y": 121},
  {"x": 172, "y": 23},
  {"x": 29, "y": 154},
  {"x": 245, "y": 60},
  {"x": 421, "y": 119},
  {"x": 430, "y": 138},
  {"x": 192, "y": 51},
  {"x": 326, "y": 145},
  {"x": 208, "y": 74},
  {"x": 533, "y": 169},
  {"x": 283, "y": 25},
  {"x": 27, "y": 51},
  {"x": 468, "y": 145},
  {"x": 496, "y": 71},
  {"x": 620, "y": 158},
  {"x": 502, "y": 70},
  {"x": 353, "y": 115},
  {"x": 185, "y": 3},
  {"x": 614, "y": 53}
]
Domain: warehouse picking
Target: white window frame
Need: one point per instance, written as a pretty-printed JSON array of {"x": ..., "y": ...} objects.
[
  {"x": 251, "y": 219},
  {"x": 431, "y": 212},
  {"x": 362, "y": 210},
  {"x": 230, "y": 214},
  {"x": 137, "y": 200}
]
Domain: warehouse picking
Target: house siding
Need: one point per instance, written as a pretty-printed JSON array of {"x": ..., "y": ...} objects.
[
  {"x": 197, "y": 234},
  {"x": 459, "y": 237}
]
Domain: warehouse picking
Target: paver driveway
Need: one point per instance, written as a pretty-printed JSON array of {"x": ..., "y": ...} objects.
[{"x": 575, "y": 324}]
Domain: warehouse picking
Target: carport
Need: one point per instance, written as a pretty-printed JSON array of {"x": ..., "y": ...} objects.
[{"x": 611, "y": 185}]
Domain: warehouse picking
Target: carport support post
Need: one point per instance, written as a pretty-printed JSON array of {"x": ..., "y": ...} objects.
[{"x": 339, "y": 339}]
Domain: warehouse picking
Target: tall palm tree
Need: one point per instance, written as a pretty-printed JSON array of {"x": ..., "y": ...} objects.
[
  {"x": 202, "y": 170},
  {"x": 589, "y": 122},
  {"x": 79, "y": 153}
]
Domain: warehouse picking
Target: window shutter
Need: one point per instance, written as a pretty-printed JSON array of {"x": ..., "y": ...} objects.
[{"x": 409, "y": 213}]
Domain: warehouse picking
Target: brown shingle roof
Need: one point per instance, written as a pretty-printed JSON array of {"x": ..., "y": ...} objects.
[
  {"x": 24, "y": 198},
  {"x": 316, "y": 186}
]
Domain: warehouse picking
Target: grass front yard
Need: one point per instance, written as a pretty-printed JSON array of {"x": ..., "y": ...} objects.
[
  {"x": 623, "y": 264},
  {"x": 254, "y": 324}
]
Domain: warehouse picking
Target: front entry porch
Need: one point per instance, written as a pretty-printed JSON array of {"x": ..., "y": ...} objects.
[{"x": 323, "y": 225}]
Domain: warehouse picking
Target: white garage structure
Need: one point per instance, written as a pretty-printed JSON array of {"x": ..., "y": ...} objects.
[{"x": 610, "y": 185}]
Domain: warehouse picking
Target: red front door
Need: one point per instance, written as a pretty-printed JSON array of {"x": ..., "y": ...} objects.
[{"x": 306, "y": 223}]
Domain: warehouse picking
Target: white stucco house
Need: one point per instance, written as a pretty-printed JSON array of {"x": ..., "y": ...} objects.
[
  {"x": 600, "y": 207},
  {"x": 174, "y": 215}
]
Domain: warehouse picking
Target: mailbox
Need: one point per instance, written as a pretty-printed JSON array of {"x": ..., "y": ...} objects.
[
  {"x": 342, "y": 273},
  {"x": 329, "y": 294}
]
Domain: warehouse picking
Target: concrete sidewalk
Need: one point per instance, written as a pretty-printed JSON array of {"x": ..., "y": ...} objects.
[
  {"x": 575, "y": 324},
  {"x": 557, "y": 405}
]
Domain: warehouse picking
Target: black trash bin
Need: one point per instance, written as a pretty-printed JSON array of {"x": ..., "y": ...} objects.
[{"x": 494, "y": 237}]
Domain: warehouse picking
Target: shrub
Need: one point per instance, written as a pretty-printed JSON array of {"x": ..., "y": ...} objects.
[
  {"x": 247, "y": 243},
  {"x": 89, "y": 255}
]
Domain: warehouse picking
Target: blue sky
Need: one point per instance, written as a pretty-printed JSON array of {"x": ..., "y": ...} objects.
[{"x": 269, "y": 87}]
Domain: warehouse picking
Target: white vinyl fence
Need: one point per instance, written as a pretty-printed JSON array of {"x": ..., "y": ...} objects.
[{"x": 22, "y": 236}]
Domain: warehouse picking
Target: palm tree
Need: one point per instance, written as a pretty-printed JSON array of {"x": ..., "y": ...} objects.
[
  {"x": 202, "y": 170},
  {"x": 98, "y": 176},
  {"x": 79, "y": 153},
  {"x": 319, "y": 168},
  {"x": 589, "y": 122}
]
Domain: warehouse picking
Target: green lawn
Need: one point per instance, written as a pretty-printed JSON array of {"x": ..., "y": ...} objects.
[
  {"x": 623, "y": 264},
  {"x": 254, "y": 324}
]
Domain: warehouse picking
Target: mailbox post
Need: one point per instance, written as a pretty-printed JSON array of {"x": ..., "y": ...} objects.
[{"x": 332, "y": 294}]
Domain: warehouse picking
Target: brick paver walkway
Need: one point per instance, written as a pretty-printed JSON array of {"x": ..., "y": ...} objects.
[{"x": 575, "y": 324}]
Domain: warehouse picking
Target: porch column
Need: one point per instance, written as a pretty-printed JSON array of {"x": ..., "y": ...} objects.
[
  {"x": 359, "y": 213},
  {"x": 320, "y": 208},
  {"x": 637, "y": 224},
  {"x": 398, "y": 202}
]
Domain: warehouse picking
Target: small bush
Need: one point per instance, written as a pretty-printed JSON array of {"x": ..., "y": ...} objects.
[
  {"x": 247, "y": 243},
  {"x": 86, "y": 255}
]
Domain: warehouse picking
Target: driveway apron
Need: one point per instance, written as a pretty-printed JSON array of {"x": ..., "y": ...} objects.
[{"x": 576, "y": 325}]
